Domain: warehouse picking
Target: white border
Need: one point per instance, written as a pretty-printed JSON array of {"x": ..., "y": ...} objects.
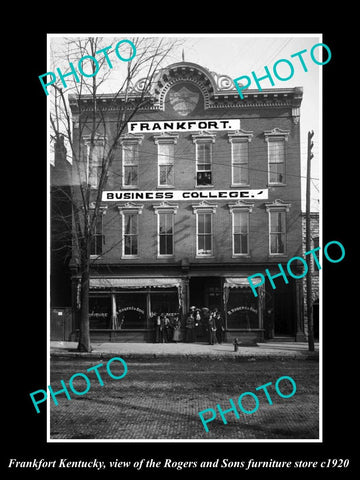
[{"x": 165, "y": 440}]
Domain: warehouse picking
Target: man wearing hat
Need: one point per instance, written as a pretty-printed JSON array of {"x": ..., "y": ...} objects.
[{"x": 190, "y": 326}]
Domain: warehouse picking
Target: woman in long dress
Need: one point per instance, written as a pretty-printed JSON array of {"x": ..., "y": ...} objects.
[{"x": 176, "y": 326}]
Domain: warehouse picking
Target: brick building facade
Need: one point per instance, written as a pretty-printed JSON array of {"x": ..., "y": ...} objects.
[
  {"x": 206, "y": 191},
  {"x": 315, "y": 242}
]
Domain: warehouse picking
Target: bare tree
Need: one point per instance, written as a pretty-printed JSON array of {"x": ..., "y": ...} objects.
[{"x": 79, "y": 115}]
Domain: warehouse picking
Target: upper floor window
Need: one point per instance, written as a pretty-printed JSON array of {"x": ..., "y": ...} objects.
[
  {"x": 277, "y": 232},
  {"x": 166, "y": 233},
  {"x": 95, "y": 158},
  {"x": 165, "y": 228},
  {"x": 204, "y": 152},
  {"x": 130, "y": 165},
  {"x": 98, "y": 237},
  {"x": 130, "y": 229},
  {"x": 277, "y": 226},
  {"x": 204, "y": 229},
  {"x": 240, "y": 157},
  {"x": 130, "y": 234},
  {"x": 166, "y": 159},
  {"x": 130, "y": 143},
  {"x": 166, "y": 164},
  {"x": 276, "y": 140},
  {"x": 240, "y": 212}
]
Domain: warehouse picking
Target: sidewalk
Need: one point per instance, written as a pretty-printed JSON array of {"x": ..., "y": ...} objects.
[{"x": 262, "y": 351}]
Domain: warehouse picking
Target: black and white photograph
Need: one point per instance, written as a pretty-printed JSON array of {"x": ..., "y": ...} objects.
[
  {"x": 182, "y": 273},
  {"x": 181, "y": 237}
]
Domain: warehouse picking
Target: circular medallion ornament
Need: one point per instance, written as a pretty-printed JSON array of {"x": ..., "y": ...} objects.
[{"x": 184, "y": 98}]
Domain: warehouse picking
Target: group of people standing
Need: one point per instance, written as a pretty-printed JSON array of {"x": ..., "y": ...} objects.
[
  {"x": 167, "y": 328},
  {"x": 200, "y": 323}
]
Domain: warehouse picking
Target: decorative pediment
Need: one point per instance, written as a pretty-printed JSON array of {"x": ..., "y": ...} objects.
[
  {"x": 240, "y": 135},
  {"x": 241, "y": 205},
  {"x": 130, "y": 207},
  {"x": 276, "y": 133},
  {"x": 278, "y": 205},
  {"x": 165, "y": 207},
  {"x": 203, "y": 135},
  {"x": 164, "y": 137},
  {"x": 204, "y": 206},
  {"x": 131, "y": 138}
]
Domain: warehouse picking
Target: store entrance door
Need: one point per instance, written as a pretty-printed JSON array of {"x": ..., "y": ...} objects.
[{"x": 205, "y": 292}]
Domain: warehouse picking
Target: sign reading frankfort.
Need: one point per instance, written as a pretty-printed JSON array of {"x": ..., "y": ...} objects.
[{"x": 187, "y": 125}]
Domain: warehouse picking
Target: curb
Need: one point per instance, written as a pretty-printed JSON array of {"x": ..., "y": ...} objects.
[{"x": 304, "y": 355}]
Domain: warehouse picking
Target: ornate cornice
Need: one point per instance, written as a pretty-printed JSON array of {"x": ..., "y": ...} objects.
[{"x": 218, "y": 92}]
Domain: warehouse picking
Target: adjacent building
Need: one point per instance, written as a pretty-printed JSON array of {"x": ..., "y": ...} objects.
[
  {"x": 204, "y": 190},
  {"x": 314, "y": 272}
]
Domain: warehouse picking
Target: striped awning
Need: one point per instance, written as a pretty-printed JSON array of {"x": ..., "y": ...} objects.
[
  {"x": 239, "y": 282},
  {"x": 129, "y": 282}
]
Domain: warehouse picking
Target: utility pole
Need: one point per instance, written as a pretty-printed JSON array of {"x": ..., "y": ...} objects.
[{"x": 309, "y": 301}]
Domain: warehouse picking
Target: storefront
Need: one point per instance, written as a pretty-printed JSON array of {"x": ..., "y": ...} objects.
[
  {"x": 243, "y": 311},
  {"x": 124, "y": 309}
]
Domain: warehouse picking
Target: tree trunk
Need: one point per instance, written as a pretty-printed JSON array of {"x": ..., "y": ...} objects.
[{"x": 84, "y": 334}]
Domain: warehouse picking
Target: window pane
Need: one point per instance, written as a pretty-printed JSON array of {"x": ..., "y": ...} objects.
[
  {"x": 276, "y": 161},
  {"x": 207, "y": 243},
  {"x": 100, "y": 311},
  {"x": 166, "y": 245},
  {"x": 203, "y": 152},
  {"x": 277, "y": 243},
  {"x": 276, "y": 172},
  {"x": 276, "y": 151},
  {"x": 240, "y": 174},
  {"x": 240, "y": 152},
  {"x": 204, "y": 223},
  {"x": 166, "y": 153},
  {"x": 130, "y": 154},
  {"x": 127, "y": 246},
  {"x": 127, "y": 223},
  {"x": 130, "y": 311},
  {"x": 166, "y": 173},
  {"x": 277, "y": 221},
  {"x": 240, "y": 222},
  {"x": 204, "y": 167},
  {"x": 130, "y": 245},
  {"x": 166, "y": 233},
  {"x": 201, "y": 243},
  {"x": 203, "y": 178},
  {"x": 169, "y": 244},
  {"x": 134, "y": 245},
  {"x": 237, "y": 243},
  {"x": 204, "y": 233},
  {"x": 242, "y": 309},
  {"x": 130, "y": 175}
]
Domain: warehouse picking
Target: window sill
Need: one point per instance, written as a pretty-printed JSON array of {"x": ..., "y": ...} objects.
[
  {"x": 130, "y": 187},
  {"x": 130, "y": 257},
  {"x": 209, "y": 255},
  {"x": 242, "y": 185},
  {"x": 241, "y": 255},
  {"x": 165, "y": 186},
  {"x": 276, "y": 185},
  {"x": 204, "y": 186}
]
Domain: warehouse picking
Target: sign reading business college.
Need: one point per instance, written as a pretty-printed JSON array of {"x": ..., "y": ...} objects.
[{"x": 148, "y": 195}]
